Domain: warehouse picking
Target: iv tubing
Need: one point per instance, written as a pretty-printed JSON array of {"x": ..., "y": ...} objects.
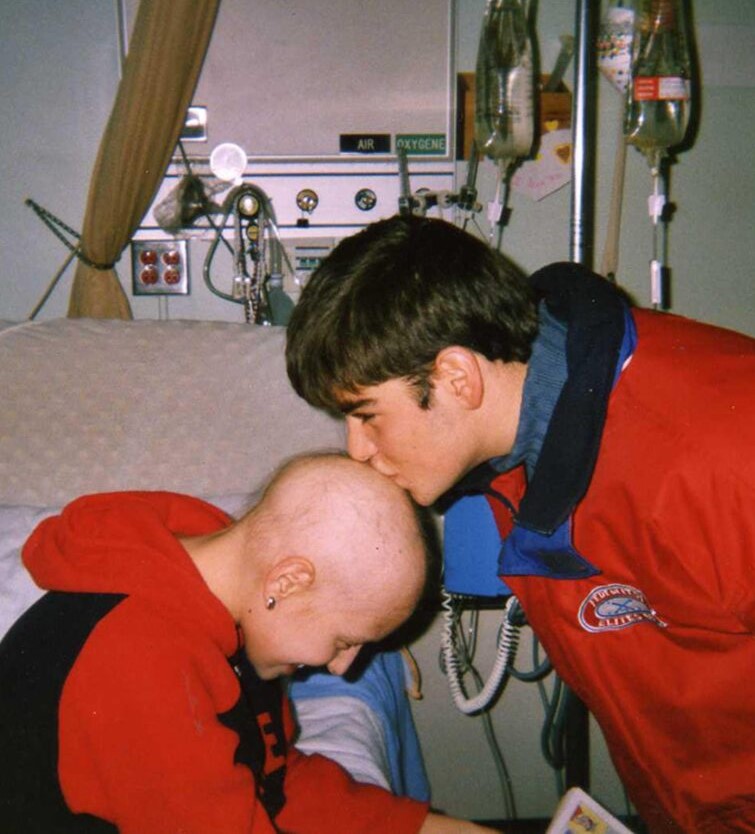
[
  {"x": 610, "y": 263},
  {"x": 656, "y": 207},
  {"x": 271, "y": 224}
]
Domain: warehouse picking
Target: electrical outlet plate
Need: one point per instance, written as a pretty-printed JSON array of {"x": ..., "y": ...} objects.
[{"x": 160, "y": 267}]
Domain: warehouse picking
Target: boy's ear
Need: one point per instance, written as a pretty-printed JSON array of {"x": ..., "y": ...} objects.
[
  {"x": 458, "y": 370},
  {"x": 290, "y": 575}
]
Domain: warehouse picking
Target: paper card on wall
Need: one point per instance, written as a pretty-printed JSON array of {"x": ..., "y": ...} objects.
[{"x": 550, "y": 170}]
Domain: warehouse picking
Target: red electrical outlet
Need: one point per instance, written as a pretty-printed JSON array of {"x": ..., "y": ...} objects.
[{"x": 160, "y": 267}]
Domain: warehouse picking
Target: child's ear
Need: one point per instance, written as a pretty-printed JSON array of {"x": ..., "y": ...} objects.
[
  {"x": 290, "y": 575},
  {"x": 458, "y": 370}
]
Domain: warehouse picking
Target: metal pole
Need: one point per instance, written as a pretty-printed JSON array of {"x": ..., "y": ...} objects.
[
  {"x": 582, "y": 235},
  {"x": 581, "y": 248},
  {"x": 48, "y": 292}
]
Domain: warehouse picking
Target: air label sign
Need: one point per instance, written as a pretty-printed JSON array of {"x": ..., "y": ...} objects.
[
  {"x": 422, "y": 144},
  {"x": 365, "y": 143}
]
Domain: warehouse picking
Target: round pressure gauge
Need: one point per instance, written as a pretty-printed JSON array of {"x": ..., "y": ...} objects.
[
  {"x": 248, "y": 205},
  {"x": 365, "y": 199},
  {"x": 307, "y": 200}
]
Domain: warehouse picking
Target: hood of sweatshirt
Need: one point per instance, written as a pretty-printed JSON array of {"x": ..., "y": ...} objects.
[{"x": 126, "y": 543}]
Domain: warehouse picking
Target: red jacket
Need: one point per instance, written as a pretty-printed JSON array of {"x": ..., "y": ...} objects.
[
  {"x": 145, "y": 718},
  {"x": 660, "y": 644}
]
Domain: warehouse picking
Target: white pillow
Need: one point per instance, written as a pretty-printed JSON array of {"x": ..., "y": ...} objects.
[{"x": 17, "y": 590}]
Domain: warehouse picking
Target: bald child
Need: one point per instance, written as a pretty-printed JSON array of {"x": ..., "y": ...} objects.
[{"x": 141, "y": 695}]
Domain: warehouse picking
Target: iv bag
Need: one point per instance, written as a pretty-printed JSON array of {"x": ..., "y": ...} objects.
[
  {"x": 658, "y": 98},
  {"x": 504, "y": 95}
]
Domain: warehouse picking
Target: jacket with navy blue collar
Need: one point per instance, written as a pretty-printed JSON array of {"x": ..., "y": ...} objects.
[
  {"x": 650, "y": 477},
  {"x": 586, "y": 335}
]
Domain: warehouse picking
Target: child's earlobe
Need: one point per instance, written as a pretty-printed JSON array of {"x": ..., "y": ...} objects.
[{"x": 289, "y": 576}]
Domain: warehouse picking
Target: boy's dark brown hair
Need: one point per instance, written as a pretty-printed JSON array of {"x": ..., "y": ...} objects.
[{"x": 387, "y": 300}]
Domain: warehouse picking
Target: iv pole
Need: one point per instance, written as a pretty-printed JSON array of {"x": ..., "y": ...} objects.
[
  {"x": 584, "y": 135},
  {"x": 581, "y": 247}
]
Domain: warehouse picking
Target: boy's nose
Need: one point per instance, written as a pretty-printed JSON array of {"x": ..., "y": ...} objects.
[{"x": 358, "y": 444}]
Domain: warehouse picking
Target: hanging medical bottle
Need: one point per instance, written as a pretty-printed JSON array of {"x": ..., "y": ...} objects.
[
  {"x": 504, "y": 103},
  {"x": 658, "y": 97},
  {"x": 615, "y": 38}
]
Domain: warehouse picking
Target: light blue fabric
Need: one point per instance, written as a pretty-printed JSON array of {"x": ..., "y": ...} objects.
[
  {"x": 382, "y": 686},
  {"x": 471, "y": 543}
]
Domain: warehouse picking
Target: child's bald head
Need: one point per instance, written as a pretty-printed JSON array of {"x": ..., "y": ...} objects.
[{"x": 360, "y": 530}]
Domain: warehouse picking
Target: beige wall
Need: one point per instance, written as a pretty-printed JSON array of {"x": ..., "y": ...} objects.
[{"x": 59, "y": 79}]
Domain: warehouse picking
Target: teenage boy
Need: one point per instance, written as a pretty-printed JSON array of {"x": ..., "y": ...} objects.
[{"x": 616, "y": 449}]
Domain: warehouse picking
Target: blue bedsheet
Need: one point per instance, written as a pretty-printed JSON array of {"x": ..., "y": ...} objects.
[{"x": 381, "y": 684}]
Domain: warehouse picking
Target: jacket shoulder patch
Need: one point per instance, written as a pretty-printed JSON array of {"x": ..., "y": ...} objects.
[{"x": 616, "y": 606}]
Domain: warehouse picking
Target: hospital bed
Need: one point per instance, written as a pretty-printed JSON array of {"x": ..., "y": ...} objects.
[{"x": 203, "y": 408}]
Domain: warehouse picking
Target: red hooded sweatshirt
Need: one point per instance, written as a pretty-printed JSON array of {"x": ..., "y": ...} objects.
[{"x": 125, "y": 702}]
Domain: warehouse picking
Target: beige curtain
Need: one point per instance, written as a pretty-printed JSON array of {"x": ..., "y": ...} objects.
[{"x": 167, "y": 48}]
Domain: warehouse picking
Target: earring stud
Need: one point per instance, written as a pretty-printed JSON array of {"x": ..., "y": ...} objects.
[{"x": 270, "y": 603}]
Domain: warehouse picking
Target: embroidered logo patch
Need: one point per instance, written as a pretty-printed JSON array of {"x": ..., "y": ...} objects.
[{"x": 611, "y": 607}]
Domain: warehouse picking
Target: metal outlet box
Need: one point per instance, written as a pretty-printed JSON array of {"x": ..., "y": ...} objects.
[{"x": 160, "y": 267}]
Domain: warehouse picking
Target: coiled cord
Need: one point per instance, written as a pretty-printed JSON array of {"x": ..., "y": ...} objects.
[{"x": 508, "y": 641}]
